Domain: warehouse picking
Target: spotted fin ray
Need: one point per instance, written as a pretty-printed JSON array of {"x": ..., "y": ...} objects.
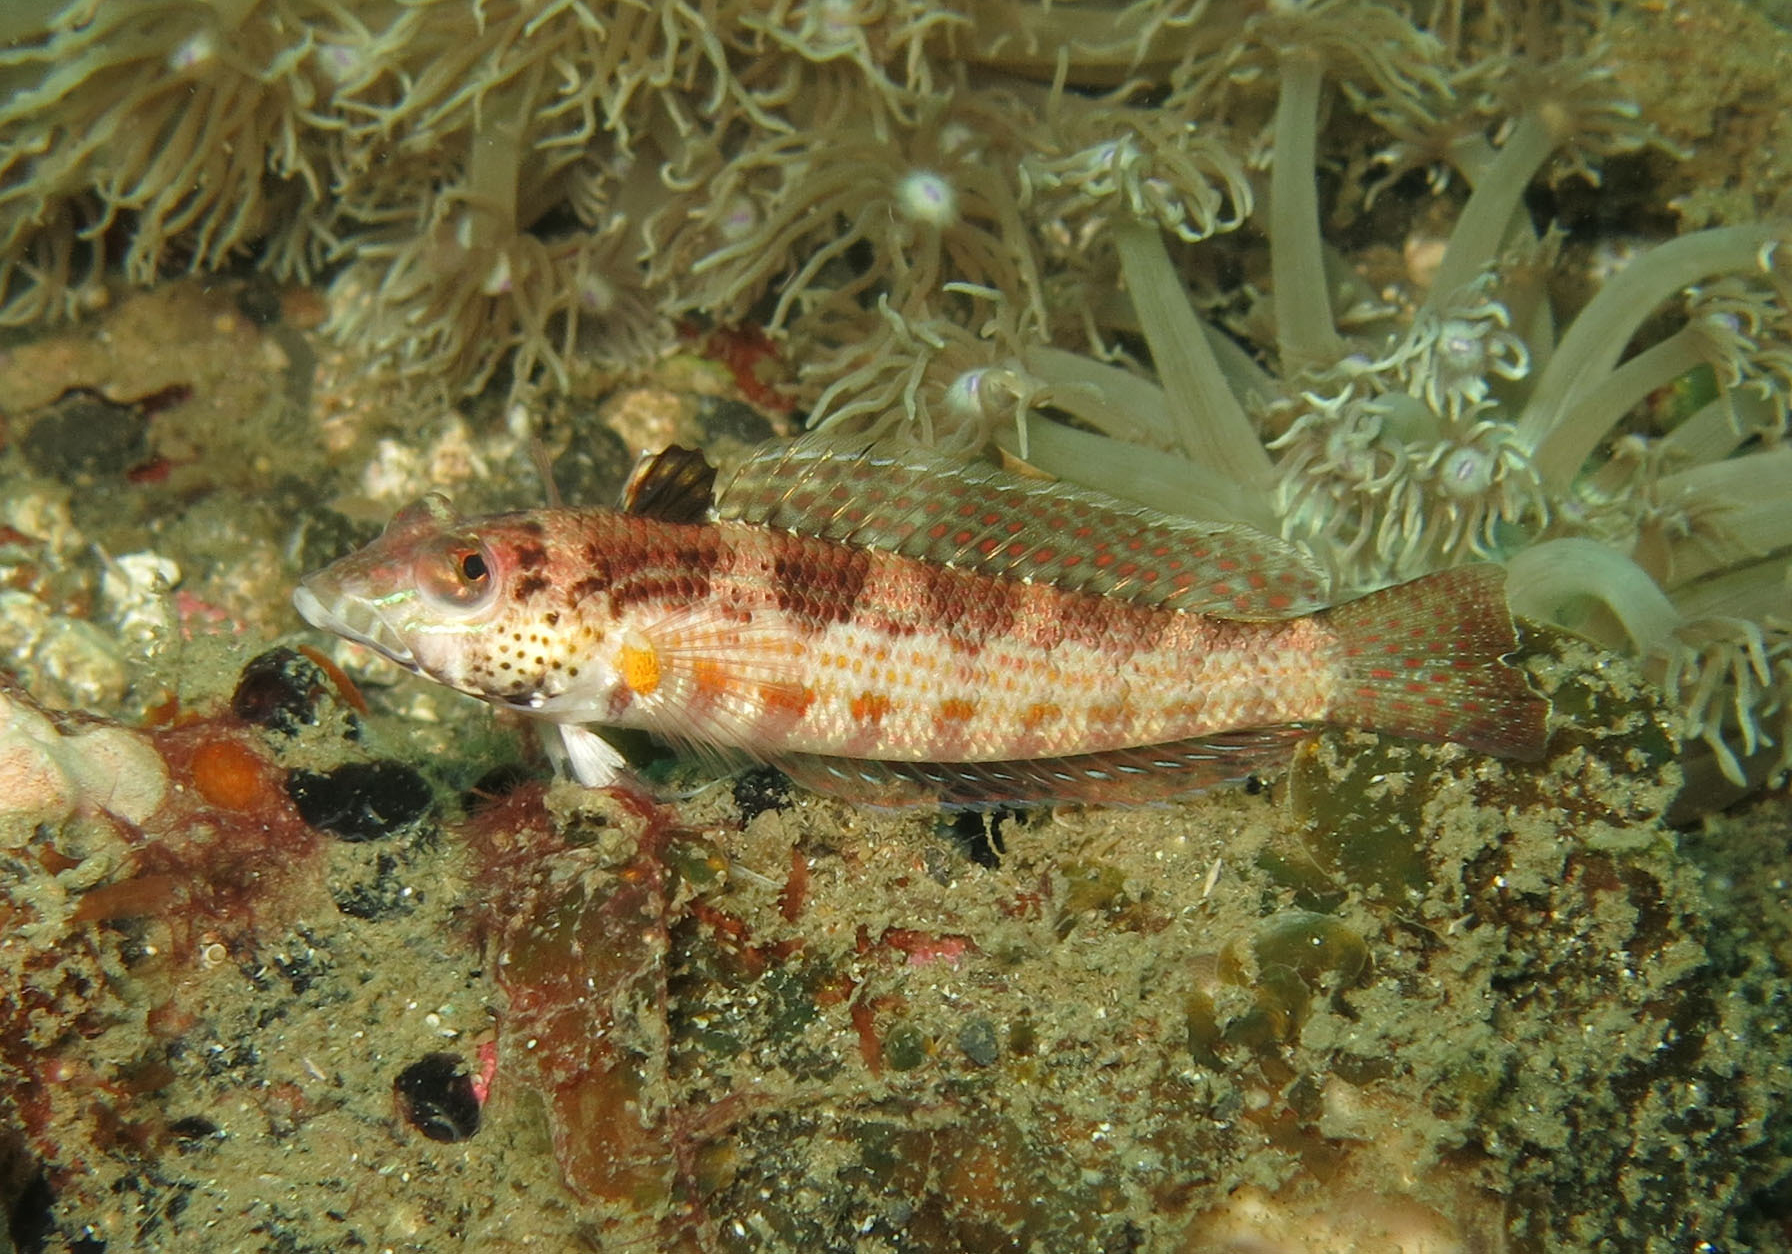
[{"x": 979, "y": 517}]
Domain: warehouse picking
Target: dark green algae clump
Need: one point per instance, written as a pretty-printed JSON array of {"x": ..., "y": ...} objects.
[{"x": 1407, "y": 992}]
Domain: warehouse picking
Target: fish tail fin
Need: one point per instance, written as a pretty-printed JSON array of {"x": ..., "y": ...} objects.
[{"x": 1425, "y": 659}]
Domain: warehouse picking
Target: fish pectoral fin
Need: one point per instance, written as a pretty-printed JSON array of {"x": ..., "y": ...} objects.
[
  {"x": 590, "y": 759},
  {"x": 716, "y": 684},
  {"x": 1117, "y": 777}
]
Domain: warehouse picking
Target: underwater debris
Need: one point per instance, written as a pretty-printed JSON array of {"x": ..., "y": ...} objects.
[{"x": 438, "y": 1097}]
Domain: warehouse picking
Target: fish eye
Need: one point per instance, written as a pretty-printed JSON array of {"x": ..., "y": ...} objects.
[{"x": 455, "y": 573}]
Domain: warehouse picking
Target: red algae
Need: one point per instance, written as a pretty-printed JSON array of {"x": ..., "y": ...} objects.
[{"x": 578, "y": 941}]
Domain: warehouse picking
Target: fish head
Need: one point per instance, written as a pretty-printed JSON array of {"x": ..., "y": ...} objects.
[{"x": 465, "y": 602}]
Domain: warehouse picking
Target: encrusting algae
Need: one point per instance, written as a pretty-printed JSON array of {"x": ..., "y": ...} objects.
[{"x": 1324, "y": 270}]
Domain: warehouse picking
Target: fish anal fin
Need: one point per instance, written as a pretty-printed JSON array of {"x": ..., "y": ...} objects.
[{"x": 1119, "y": 777}]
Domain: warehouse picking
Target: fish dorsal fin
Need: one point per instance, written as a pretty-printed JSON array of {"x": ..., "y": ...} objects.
[
  {"x": 675, "y": 485},
  {"x": 976, "y": 516}
]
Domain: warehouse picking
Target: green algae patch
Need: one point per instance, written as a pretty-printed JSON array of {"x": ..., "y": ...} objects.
[{"x": 1360, "y": 801}]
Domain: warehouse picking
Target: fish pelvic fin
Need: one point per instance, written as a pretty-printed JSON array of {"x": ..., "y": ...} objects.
[{"x": 1426, "y": 659}]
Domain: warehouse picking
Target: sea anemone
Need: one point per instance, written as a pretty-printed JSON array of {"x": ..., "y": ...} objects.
[
  {"x": 1461, "y": 424},
  {"x": 182, "y": 117},
  {"x": 885, "y": 208},
  {"x": 887, "y": 46},
  {"x": 953, "y": 384}
]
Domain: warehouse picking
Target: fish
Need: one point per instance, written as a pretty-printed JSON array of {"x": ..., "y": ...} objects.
[{"x": 887, "y": 625}]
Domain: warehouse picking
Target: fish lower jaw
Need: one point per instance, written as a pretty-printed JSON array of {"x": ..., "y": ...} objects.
[{"x": 363, "y": 628}]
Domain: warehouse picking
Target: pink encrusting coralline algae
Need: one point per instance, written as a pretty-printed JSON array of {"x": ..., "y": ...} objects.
[{"x": 899, "y": 629}]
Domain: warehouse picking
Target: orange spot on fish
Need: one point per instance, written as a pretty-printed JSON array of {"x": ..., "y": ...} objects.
[
  {"x": 870, "y": 707},
  {"x": 1038, "y": 713},
  {"x": 1108, "y": 713},
  {"x": 957, "y": 710},
  {"x": 640, "y": 667},
  {"x": 786, "y": 699},
  {"x": 712, "y": 677}
]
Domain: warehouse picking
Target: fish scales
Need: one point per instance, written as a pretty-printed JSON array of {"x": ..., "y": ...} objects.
[
  {"x": 835, "y": 641},
  {"x": 873, "y": 655}
]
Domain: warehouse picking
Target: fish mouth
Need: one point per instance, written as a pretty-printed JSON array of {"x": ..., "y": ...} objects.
[{"x": 353, "y": 619}]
